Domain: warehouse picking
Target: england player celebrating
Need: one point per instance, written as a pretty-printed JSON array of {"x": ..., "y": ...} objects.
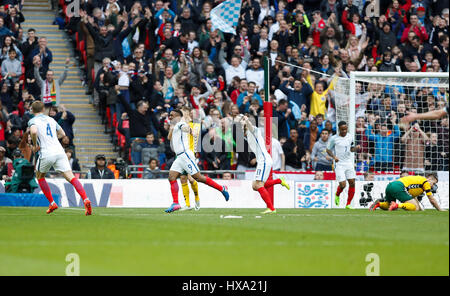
[
  {"x": 256, "y": 143},
  {"x": 342, "y": 144},
  {"x": 45, "y": 132},
  {"x": 184, "y": 163}
]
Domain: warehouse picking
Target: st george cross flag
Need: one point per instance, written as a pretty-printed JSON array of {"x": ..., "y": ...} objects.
[{"x": 225, "y": 16}]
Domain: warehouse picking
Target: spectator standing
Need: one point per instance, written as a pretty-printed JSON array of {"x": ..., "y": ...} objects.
[
  {"x": 433, "y": 157},
  {"x": 103, "y": 39},
  {"x": 300, "y": 94},
  {"x": 319, "y": 156},
  {"x": 11, "y": 68},
  {"x": 66, "y": 120},
  {"x": 311, "y": 135},
  {"x": 4, "y": 31},
  {"x": 256, "y": 74},
  {"x": 384, "y": 146},
  {"x": 295, "y": 151},
  {"x": 415, "y": 140},
  {"x": 45, "y": 57},
  {"x": 237, "y": 67},
  {"x": 50, "y": 88},
  {"x": 142, "y": 120}
]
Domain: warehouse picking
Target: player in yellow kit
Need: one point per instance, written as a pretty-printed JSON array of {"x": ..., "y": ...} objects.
[
  {"x": 406, "y": 190},
  {"x": 193, "y": 142}
]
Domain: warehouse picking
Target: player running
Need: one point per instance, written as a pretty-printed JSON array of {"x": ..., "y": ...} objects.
[
  {"x": 184, "y": 178},
  {"x": 256, "y": 143},
  {"x": 45, "y": 132},
  {"x": 184, "y": 163},
  {"x": 342, "y": 144},
  {"x": 407, "y": 190}
]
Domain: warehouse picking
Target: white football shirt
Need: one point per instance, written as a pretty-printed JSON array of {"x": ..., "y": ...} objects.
[
  {"x": 47, "y": 137},
  {"x": 180, "y": 139},
  {"x": 257, "y": 144},
  {"x": 341, "y": 146}
]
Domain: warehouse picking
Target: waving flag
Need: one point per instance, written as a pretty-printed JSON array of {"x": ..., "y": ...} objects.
[{"x": 225, "y": 16}]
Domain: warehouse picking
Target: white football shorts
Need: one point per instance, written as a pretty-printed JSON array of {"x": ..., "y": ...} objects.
[
  {"x": 263, "y": 169},
  {"x": 185, "y": 164},
  {"x": 59, "y": 162},
  {"x": 344, "y": 171}
]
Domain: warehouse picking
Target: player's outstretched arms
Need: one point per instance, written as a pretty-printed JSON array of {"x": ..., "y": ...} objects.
[
  {"x": 186, "y": 129},
  {"x": 431, "y": 115}
]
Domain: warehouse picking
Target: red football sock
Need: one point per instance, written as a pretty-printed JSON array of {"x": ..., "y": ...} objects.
[
  {"x": 79, "y": 188},
  {"x": 213, "y": 184},
  {"x": 351, "y": 193},
  {"x": 266, "y": 197},
  {"x": 174, "y": 190},
  {"x": 45, "y": 189},
  {"x": 339, "y": 190},
  {"x": 270, "y": 183}
]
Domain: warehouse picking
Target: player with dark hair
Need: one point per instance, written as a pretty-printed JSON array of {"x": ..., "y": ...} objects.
[
  {"x": 407, "y": 190},
  {"x": 342, "y": 144},
  {"x": 184, "y": 163},
  {"x": 193, "y": 144}
]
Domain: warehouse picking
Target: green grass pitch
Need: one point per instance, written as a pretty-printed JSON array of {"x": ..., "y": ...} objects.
[{"x": 292, "y": 242}]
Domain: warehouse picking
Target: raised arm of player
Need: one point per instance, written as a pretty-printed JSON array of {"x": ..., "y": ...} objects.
[
  {"x": 431, "y": 115},
  {"x": 249, "y": 125},
  {"x": 185, "y": 128}
]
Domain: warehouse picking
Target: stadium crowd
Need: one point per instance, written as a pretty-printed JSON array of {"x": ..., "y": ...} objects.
[{"x": 144, "y": 58}]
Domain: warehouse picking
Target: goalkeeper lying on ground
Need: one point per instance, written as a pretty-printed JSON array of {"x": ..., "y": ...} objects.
[{"x": 406, "y": 190}]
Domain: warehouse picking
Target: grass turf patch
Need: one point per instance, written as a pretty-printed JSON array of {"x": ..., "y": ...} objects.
[{"x": 292, "y": 242}]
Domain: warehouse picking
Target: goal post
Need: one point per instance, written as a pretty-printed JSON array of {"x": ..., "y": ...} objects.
[{"x": 373, "y": 103}]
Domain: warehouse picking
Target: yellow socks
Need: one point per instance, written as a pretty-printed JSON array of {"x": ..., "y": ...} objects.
[
  {"x": 407, "y": 206},
  {"x": 194, "y": 186},
  {"x": 185, "y": 188},
  {"x": 384, "y": 205}
]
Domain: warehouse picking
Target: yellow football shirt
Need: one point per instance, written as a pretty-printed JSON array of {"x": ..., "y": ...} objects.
[
  {"x": 193, "y": 139},
  {"x": 416, "y": 185},
  {"x": 318, "y": 101}
]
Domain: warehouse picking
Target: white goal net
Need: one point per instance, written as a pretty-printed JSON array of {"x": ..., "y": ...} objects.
[{"x": 373, "y": 104}]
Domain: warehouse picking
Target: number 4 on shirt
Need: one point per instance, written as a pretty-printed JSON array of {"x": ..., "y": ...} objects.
[{"x": 49, "y": 130}]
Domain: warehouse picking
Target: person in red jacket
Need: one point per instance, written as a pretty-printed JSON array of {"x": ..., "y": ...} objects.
[
  {"x": 398, "y": 11},
  {"x": 316, "y": 27},
  {"x": 416, "y": 27},
  {"x": 354, "y": 26}
]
